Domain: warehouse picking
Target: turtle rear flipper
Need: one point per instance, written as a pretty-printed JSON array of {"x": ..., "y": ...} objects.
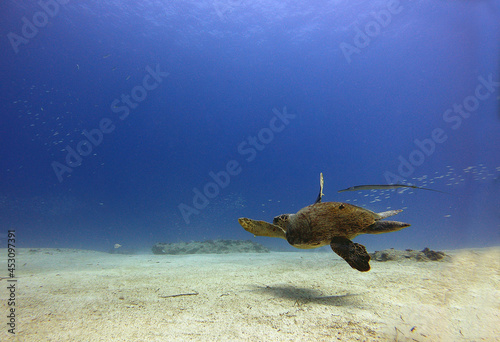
[
  {"x": 261, "y": 228},
  {"x": 386, "y": 214},
  {"x": 380, "y": 227},
  {"x": 354, "y": 253}
]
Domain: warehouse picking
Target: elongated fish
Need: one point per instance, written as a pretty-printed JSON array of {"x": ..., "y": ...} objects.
[{"x": 387, "y": 186}]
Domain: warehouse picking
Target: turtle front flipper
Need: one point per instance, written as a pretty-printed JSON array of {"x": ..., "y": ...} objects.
[
  {"x": 262, "y": 228},
  {"x": 354, "y": 253}
]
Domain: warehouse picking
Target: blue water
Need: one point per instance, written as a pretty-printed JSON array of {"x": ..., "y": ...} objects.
[{"x": 115, "y": 114}]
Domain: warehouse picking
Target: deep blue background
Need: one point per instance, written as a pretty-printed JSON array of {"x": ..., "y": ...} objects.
[{"x": 230, "y": 64}]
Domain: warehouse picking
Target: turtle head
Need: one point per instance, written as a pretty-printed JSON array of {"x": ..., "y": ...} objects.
[{"x": 281, "y": 221}]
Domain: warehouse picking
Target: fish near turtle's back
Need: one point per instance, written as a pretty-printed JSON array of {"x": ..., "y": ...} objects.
[{"x": 320, "y": 222}]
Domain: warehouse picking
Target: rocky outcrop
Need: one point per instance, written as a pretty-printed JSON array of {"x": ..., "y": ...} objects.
[{"x": 395, "y": 255}]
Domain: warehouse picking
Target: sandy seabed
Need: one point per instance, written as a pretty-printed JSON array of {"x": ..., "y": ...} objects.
[{"x": 77, "y": 295}]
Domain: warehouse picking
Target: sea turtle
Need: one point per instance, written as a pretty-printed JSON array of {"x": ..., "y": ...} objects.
[{"x": 328, "y": 223}]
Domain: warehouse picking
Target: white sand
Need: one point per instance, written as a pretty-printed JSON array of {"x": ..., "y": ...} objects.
[{"x": 74, "y": 295}]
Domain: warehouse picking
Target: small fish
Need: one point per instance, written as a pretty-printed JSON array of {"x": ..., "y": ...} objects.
[
  {"x": 387, "y": 186},
  {"x": 117, "y": 245}
]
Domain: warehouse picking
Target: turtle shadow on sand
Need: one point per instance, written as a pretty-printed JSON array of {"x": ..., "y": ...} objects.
[
  {"x": 328, "y": 223},
  {"x": 300, "y": 296}
]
